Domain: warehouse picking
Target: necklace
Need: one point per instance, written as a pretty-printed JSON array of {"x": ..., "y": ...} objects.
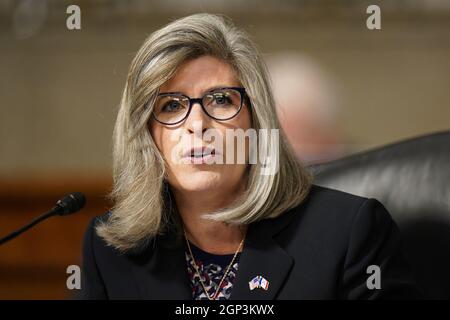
[{"x": 198, "y": 272}]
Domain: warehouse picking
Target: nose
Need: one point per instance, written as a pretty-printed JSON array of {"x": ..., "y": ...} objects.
[{"x": 197, "y": 121}]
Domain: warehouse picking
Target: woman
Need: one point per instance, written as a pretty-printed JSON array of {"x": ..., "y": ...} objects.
[{"x": 186, "y": 225}]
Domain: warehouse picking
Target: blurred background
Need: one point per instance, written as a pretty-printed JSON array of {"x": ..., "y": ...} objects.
[{"x": 340, "y": 89}]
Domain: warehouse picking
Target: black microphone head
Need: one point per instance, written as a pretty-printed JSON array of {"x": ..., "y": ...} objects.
[{"x": 71, "y": 203}]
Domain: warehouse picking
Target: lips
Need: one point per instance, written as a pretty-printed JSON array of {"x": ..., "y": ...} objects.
[
  {"x": 199, "y": 152},
  {"x": 200, "y": 155}
]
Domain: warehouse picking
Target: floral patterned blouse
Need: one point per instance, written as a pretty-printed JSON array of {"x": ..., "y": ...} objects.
[{"x": 211, "y": 268}]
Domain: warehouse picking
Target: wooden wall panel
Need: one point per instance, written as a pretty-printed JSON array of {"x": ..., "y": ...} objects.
[{"x": 33, "y": 266}]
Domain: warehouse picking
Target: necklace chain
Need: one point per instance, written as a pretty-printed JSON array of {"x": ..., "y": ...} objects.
[{"x": 198, "y": 272}]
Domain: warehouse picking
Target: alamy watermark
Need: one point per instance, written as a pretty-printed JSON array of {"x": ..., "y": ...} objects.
[
  {"x": 73, "y": 21},
  {"x": 374, "y": 280},
  {"x": 74, "y": 279},
  {"x": 373, "y": 22},
  {"x": 236, "y": 146}
]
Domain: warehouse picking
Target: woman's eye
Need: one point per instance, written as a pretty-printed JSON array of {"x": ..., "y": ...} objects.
[
  {"x": 221, "y": 99},
  {"x": 172, "y": 106}
]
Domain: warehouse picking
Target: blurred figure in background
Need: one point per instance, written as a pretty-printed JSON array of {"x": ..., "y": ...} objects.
[{"x": 307, "y": 106}]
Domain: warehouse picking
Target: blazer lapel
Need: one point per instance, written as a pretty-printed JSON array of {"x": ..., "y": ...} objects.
[
  {"x": 262, "y": 256},
  {"x": 161, "y": 274}
]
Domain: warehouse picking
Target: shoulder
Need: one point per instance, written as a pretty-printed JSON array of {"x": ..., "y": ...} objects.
[
  {"x": 106, "y": 270},
  {"x": 96, "y": 246},
  {"x": 323, "y": 198},
  {"x": 93, "y": 244},
  {"x": 105, "y": 259},
  {"x": 105, "y": 251},
  {"x": 91, "y": 237},
  {"x": 339, "y": 236},
  {"x": 334, "y": 218},
  {"x": 329, "y": 206}
]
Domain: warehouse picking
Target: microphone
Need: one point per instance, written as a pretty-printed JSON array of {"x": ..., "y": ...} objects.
[{"x": 71, "y": 203}]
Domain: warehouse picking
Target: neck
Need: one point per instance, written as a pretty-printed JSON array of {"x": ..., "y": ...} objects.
[{"x": 210, "y": 236}]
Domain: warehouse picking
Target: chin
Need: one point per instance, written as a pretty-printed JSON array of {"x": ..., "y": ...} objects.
[{"x": 201, "y": 181}]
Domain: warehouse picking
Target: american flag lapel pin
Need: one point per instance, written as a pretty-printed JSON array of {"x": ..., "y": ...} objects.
[
  {"x": 263, "y": 284},
  {"x": 258, "y": 282},
  {"x": 254, "y": 283}
]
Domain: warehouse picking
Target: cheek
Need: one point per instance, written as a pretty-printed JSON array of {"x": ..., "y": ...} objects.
[
  {"x": 166, "y": 146},
  {"x": 244, "y": 122},
  {"x": 156, "y": 133},
  {"x": 245, "y": 118},
  {"x": 161, "y": 137}
]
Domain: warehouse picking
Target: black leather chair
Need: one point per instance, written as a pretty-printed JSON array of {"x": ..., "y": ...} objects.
[{"x": 412, "y": 179}]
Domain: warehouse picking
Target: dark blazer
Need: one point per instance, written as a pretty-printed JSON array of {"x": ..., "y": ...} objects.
[{"x": 318, "y": 250}]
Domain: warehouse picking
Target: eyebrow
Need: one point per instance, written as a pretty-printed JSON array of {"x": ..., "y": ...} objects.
[{"x": 204, "y": 91}]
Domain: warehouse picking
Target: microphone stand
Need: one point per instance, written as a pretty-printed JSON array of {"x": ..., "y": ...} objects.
[{"x": 35, "y": 221}]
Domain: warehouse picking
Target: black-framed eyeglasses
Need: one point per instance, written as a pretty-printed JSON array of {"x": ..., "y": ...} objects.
[{"x": 220, "y": 104}]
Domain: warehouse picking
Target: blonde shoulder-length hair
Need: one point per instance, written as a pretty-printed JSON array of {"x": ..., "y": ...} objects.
[{"x": 142, "y": 207}]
